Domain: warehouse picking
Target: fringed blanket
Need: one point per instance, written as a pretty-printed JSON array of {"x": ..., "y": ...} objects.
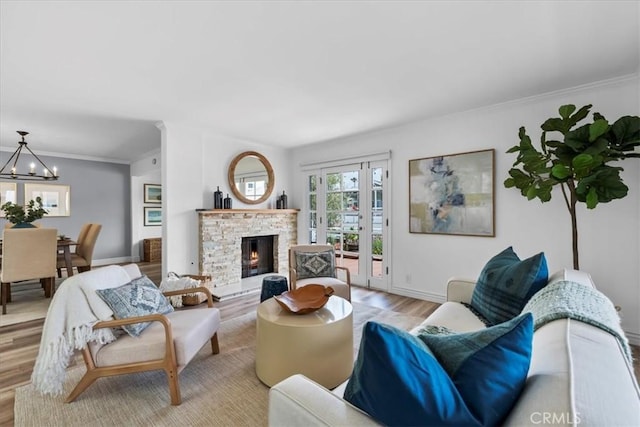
[
  {"x": 565, "y": 299},
  {"x": 69, "y": 326}
]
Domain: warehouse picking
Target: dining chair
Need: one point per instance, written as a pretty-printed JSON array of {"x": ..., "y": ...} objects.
[
  {"x": 83, "y": 255},
  {"x": 27, "y": 254},
  {"x": 315, "y": 264}
]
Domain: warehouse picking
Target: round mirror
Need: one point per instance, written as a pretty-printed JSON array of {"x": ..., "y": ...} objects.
[{"x": 251, "y": 177}]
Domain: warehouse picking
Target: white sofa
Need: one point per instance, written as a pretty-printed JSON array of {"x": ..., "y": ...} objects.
[{"x": 579, "y": 375}]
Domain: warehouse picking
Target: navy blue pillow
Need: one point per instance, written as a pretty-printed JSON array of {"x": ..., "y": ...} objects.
[
  {"x": 399, "y": 382},
  {"x": 506, "y": 284},
  {"x": 488, "y": 367}
]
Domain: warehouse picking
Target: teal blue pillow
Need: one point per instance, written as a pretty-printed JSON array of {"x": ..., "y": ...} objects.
[
  {"x": 399, "y": 382},
  {"x": 488, "y": 367},
  {"x": 506, "y": 284},
  {"x": 137, "y": 298}
]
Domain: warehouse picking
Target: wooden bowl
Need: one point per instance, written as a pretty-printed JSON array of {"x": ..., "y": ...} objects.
[{"x": 304, "y": 300}]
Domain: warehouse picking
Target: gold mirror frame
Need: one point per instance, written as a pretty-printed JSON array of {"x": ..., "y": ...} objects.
[{"x": 232, "y": 180}]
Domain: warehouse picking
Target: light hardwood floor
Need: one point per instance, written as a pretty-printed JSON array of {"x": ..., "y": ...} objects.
[{"x": 19, "y": 343}]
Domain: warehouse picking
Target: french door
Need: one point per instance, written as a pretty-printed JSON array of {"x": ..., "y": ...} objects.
[{"x": 347, "y": 210}]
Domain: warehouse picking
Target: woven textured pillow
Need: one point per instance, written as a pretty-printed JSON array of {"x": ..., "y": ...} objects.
[
  {"x": 506, "y": 284},
  {"x": 315, "y": 264},
  {"x": 137, "y": 298},
  {"x": 399, "y": 382},
  {"x": 488, "y": 367}
]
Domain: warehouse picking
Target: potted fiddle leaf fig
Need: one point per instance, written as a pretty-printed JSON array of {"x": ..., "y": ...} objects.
[
  {"x": 23, "y": 217},
  {"x": 578, "y": 160}
]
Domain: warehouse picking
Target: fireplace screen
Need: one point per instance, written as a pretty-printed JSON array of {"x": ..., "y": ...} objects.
[{"x": 257, "y": 255}]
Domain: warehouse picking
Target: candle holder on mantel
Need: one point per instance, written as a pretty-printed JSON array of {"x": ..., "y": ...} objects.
[
  {"x": 281, "y": 202},
  {"x": 227, "y": 202}
]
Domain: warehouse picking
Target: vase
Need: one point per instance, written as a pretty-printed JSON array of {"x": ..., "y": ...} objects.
[{"x": 24, "y": 225}]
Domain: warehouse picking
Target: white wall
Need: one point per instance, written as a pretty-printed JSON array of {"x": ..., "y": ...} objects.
[
  {"x": 609, "y": 242},
  {"x": 143, "y": 171},
  {"x": 194, "y": 163}
]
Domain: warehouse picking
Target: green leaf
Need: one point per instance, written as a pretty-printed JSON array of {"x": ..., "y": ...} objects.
[
  {"x": 597, "y": 128},
  {"x": 566, "y": 110},
  {"x": 582, "y": 163},
  {"x": 509, "y": 183},
  {"x": 554, "y": 124},
  {"x": 626, "y": 133},
  {"x": 532, "y": 193},
  {"x": 592, "y": 198},
  {"x": 560, "y": 172}
]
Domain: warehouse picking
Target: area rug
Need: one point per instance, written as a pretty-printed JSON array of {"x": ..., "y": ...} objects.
[
  {"x": 27, "y": 303},
  {"x": 217, "y": 390}
]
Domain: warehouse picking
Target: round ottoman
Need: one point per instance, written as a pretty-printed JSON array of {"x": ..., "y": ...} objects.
[
  {"x": 273, "y": 285},
  {"x": 318, "y": 345}
]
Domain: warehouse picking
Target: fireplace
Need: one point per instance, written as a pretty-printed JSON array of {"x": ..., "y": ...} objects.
[{"x": 257, "y": 255}]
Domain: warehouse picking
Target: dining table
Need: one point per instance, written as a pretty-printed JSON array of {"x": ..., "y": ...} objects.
[{"x": 65, "y": 246}]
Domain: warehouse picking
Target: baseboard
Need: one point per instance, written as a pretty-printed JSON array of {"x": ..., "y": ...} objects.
[{"x": 412, "y": 293}]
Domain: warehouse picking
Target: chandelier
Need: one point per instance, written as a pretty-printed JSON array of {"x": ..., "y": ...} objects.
[{"x": 11, "y": 171}]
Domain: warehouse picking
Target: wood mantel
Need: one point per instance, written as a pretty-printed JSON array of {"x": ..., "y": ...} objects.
[{"x": 205, "y": 211}]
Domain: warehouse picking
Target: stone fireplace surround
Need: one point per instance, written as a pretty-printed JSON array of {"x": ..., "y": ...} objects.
[{"x": 220, "y": 239}]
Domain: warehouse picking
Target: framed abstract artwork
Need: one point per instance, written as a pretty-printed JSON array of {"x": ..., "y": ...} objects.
[
  {"x": 152, "y": 193},
  {"x": 152, "y": 216},
  {"x": 453, "y": 194}
]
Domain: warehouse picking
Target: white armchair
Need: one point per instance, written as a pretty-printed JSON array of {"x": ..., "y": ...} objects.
[{"x": 315, "y": 264}]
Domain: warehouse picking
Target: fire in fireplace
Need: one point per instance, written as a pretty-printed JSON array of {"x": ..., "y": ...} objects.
[{"x": 257, "y": 255}]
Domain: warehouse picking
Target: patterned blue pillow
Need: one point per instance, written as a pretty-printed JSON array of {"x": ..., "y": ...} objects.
[
  {"x": 315, "y": 264},
  {"x": 399, "y": 382},
  {"x": 506, "y": 284},
  {"x": 137, "y": 298},
  {"x": 488, "y": 367}
]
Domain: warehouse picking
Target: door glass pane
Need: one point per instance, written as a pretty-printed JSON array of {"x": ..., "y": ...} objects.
[
  {"x": 342, "y": 207},
  {"x": 377, "y": 225},
  {"x": 313, "y": 212}
]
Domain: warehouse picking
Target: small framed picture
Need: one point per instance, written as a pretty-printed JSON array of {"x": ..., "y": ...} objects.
[
  {"x": 152, "y": 193},
  {"x": 152, "y": 216},
  {"x": 56, "y": 199}
]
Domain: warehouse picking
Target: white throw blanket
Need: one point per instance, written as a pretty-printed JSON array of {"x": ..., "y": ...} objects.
[{"x": 69, "y": 326}]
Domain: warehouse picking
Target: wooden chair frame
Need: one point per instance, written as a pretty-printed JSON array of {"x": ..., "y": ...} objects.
[{"x": 168, "y": 363}]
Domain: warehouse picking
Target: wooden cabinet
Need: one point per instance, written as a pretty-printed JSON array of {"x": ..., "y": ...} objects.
[{"x": 152, "y": 250}]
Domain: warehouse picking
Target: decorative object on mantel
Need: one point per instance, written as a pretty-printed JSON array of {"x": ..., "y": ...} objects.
[
  {"x": 281, "y": 203},
  {"x": 578, "y": 162},
  {"x": 21, "y": 217},
  {"x": 13, "y": 172},
  {"x": 306, "y": 299},
  {"x": 227, "y": 202},
  {"x": 217, "y": 199}
]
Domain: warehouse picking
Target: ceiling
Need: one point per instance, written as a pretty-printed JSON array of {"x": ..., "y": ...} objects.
[{"x": 92, "y": 78}]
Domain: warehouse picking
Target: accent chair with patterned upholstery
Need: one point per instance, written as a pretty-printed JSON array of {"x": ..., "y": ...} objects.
[{"x": 316, "y": 264}]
